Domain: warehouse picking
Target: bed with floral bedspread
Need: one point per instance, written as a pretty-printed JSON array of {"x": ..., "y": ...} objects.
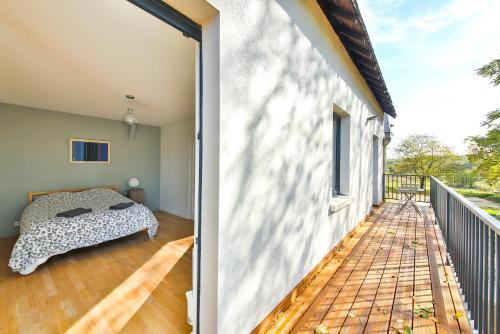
[{"x": 43, "y": 234}]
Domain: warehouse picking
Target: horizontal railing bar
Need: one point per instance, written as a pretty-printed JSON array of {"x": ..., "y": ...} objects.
[
  {"x": 481, "y": 214},
  {"x": 392, "y": 182}
]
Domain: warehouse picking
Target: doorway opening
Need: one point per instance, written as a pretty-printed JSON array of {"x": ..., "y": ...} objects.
[
  {"x": 72, "y": 82},
  {"x": 375, "y": 171}
]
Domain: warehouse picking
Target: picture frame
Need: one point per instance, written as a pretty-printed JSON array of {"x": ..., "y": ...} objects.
[{"x": 89, "y": 151}]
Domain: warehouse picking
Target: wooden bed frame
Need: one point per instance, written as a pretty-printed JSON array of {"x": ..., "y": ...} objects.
[{"x": 33, "y": 194}]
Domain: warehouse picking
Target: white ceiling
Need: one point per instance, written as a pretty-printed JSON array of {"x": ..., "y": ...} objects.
[{"x": 83, "y": 57}]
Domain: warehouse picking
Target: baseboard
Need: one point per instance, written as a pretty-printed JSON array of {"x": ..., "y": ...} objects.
[
  {"x": 176, "y": 212},
  {"x": 270, "y": 320}
]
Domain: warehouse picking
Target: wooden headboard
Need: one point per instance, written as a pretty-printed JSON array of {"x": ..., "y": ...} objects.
[{"x": 33, "y": 194}]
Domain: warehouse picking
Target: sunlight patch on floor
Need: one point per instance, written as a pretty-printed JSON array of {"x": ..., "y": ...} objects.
[{"x": 116, "y": 309}]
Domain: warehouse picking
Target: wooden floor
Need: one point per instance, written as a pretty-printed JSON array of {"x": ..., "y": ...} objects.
[
  {"x": 130, "y": 285},
  {"x": 394, "y": 274}
]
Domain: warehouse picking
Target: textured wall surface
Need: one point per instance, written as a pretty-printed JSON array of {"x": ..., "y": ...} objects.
[
  {"x": 283, "y": 72},
  {"x": 34, "y": 157}
]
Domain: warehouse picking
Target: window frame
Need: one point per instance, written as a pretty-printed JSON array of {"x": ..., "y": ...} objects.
[{"x": 336, "y": 128}]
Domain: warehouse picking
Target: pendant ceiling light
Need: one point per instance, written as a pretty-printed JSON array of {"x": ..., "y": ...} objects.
[{"x": 130, "y": 118}]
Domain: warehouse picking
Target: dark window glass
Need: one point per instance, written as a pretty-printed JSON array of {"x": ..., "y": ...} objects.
[{"x": 336, "y": 155}]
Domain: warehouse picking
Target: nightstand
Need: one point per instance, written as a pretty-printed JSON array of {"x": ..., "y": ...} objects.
[{"x": 136, "y": 195}]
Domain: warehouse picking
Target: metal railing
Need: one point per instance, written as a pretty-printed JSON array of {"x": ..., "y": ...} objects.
[
  {"x": 393, "y": 181},
  {"x": 473, "y": 243}
]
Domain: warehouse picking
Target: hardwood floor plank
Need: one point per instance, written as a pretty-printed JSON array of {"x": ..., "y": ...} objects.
[{"x": 67, "y": 287}]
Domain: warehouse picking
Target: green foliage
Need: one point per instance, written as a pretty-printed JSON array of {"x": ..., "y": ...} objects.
[
  {"x": 493, "y": 212},
  {"x": 321, "y": 329},
  {"x": 423, "y": 312},
  {"x": 485, "y": 150},
  {"x": 492, "y": 71},
  {"x": 407, "y": 330},
  {"x": 463, "y": 179},
  {"x": 390, "y": 166},
  {"x": 424, "y": 155}
]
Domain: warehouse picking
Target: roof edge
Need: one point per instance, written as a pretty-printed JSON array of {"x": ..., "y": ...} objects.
[{"x": 345, "y": 19}]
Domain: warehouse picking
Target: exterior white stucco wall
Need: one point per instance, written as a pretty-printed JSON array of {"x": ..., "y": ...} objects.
[
  {"x": 177, "y": 168},
  {"x": 282, "y": 70}
]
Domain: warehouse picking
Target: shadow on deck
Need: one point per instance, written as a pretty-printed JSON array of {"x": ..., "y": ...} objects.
[{"x": 391, "y": 278}]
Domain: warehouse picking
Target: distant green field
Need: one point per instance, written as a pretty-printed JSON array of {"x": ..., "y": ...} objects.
[
  {"x": 488, "y": 195},
  {"x": 492, "y": 211},
  {"x": 495, "y": 197}
]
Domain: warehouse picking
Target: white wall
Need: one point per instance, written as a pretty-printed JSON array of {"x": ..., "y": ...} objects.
[
  {"x": 282, "y": 70},
  {"x": 177, "y": 168}
]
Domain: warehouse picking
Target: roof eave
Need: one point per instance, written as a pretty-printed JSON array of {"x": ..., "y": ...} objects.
[{"x": 345, "y": 19}]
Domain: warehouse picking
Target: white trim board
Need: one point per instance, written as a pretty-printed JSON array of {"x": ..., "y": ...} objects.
[{"x": 179, "y": 213}]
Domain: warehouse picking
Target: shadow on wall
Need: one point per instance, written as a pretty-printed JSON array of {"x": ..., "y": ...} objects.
[{"x": 274, "y": 223}]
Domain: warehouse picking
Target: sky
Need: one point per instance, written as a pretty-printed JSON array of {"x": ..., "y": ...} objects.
[{"x": 428, "y": 51}]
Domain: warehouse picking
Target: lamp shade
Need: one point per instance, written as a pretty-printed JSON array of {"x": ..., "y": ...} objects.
[
  {"x": 133, "y": 182},
  {"x": 130, "y": 117}
]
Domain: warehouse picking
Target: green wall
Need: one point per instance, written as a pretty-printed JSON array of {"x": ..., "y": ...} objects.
[{"x": 34, "y": 149}]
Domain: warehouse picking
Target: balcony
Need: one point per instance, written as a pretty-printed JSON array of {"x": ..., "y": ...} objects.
[{"x": 407, "y": 273}]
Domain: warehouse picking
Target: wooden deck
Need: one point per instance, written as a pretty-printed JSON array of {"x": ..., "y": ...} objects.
[
  {"x": 393, "y": 275},
  {"x": 129, "y": 285}
]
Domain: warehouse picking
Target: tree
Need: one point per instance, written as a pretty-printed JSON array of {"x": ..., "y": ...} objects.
[
  {"x": 485, "y": 150},
  {"x": 424, "y": 155},
  {"x": 492, "y": 71}
]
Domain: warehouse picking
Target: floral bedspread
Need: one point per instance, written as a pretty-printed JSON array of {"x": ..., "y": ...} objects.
[{"x": 44, "y": 235}]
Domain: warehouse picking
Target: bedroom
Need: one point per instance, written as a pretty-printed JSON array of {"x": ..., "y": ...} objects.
[{"x": 73, "y": 73}]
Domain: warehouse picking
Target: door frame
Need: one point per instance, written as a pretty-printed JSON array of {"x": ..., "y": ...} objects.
[
  {"x": 375, "y": 170},
  {"x": 190, "y": 29}
]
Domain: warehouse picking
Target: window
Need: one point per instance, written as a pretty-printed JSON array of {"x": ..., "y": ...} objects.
[{"x": 336, "y": 155}]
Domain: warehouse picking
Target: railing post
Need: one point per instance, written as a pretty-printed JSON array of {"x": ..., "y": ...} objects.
[
  {"x": 383, "y": 186},
  {"x": 431, "y": 192},
  {"x": 473, "y": 243},
  {"x": 447, "y": 218}
]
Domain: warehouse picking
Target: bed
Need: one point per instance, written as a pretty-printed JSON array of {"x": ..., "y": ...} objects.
[{"x": 44, "y": 235}]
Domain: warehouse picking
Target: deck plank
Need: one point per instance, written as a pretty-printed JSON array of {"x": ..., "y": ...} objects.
[
  {"x": 402, "y": 309},
  {"x": 422, "y": 288},
  {"x": 380, "y": 316},
  {"x": 397, "y": 267},
  {"x": 293, "y": 314},
  {"x": 379, "y": 273},
  {"x": 325, "y": 299},
  {"x": 342, "y": 308}
]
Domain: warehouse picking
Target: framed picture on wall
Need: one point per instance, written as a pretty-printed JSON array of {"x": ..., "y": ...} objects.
[{"x": 89, "y": 151}]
